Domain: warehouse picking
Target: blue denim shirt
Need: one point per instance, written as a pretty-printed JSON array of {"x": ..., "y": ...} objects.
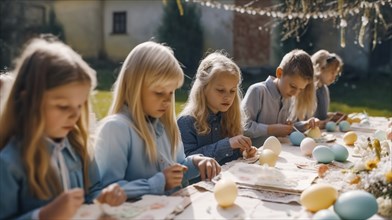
[
  {"x": 121, "y": 156},
  {"x": 16, "y": 200},
  {"x": 212, "y": 144}
]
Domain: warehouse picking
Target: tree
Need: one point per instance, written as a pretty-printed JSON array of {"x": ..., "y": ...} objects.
[{"x": 183, "y": 33}]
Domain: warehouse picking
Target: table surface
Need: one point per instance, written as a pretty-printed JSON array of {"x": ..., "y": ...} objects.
[{"x": 201, "y": 204}]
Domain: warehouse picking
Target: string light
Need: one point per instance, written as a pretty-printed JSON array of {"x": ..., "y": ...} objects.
[{"x": 295, "y": 15}]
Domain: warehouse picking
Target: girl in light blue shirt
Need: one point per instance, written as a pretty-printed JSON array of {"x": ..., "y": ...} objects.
[
  {"x": 45, "y": 168},
  {"x": 138, "y": 145}
]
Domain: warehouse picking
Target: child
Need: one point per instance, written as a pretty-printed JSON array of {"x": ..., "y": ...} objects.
[
  {"x": 327, "y": 67},
  {"x": 211, "y": 122},
  {"x": 44, "y": 161},
  {"x": 272, "y": 105},
  {"x": 138, "y": 143}
]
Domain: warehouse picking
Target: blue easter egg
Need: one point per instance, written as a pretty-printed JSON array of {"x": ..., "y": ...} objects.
[
  {"x": 356, "y": 204},
  {"x": 296, "y": 138},
  {"x": 344, "y": 126},
  {"x": 326, "y": 214},
  {"x": 330, "y": 126},
  {"x": 340, "y": 152},
  {"x": 323, "y": 154}
]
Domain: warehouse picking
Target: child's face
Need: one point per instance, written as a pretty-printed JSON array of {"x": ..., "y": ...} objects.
[
  {"x": 220, "y": 92},
  {"x": 62, "y": 106},
  {"x": 328, "y": 76},
  {"x": 291, "y": 85},
  {"x": 156, "y": 100}
]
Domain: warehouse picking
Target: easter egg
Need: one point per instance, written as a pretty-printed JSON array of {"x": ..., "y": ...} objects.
[
  {"x": 365, "y": 121},
  {"x": 380, "y": 135},
  {"x": 340, "y": 152},
  {"x": 325, "y": 214},
  {"x": 296, "y": 138},
  {"x": 350, "y": 137},
  {"x": 267, "y": 156},
  {"x": 225, "y": 192},
  {"x": 313, "y": 132},
  {"x": 356, "y": 204},
  {"x": 323, "y": 154},
  {"x": 318, "y": 196},
  {"x": 307, "y": 145},
  {"x": 330, "y": 126},
  {"x": 344, "y": 126},
  {"x": 273, "y": 144}
]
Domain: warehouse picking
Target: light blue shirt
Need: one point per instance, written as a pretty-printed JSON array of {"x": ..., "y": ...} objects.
[
  {"x": 264, "y": 105},
  {"x": 213, "y": 144},
  {"x": 16, "y": 200},
  {"x": 121, "y": 156}
]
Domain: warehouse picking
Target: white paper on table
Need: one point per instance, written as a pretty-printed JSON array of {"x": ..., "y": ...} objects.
[
  {"x": 149, "y": 207},
  {"x": 269, "y": 178}
]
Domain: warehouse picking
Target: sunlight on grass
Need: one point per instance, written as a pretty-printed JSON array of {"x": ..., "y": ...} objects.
[
  {"x": 102, "y": 100},
  {"x": 336, "y": 106}
]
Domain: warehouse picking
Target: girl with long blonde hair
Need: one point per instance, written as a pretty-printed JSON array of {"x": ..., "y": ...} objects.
[
  {"x": 327, "y": 68},
  {"x": 212, "y": 121},
  {"x": 138, "y": 144},
  {"x": 45, "y": 168},
  {"x": 272, "y": 105}
]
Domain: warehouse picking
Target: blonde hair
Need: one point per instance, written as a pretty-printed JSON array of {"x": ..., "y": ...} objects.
[
  {"x": 214, "y": 65},
  {"x": 6, "y": 81},
  {"x": 43, "y": 66},
  {"x": 323, "y": 61},
  {"x": 298, "y": 62},
  {"x": 148, "y": 64}
]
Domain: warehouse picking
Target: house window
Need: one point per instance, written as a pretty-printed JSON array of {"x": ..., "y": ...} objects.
[{"x": 119, "y": 22}]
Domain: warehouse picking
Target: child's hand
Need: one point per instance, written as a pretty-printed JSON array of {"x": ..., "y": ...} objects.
[
  {"x": 249, "y": 153},
  {"x": 311, "y": 123},
  {"x": 208, "y": 167},
  {"x": 113, "y": 195},
  {"x": 64, "y": 206},
  {"x": 174, "y": 175},
  {"x": 279, "y": 130},
  {"x": 241, "y": 142}
]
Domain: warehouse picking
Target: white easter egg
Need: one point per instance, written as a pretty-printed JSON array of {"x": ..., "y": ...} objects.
[
  {"x": 380, "y": 135},
  {"x": 269, "y": 157},
  {"x": 225, "y": 192},
  {"x": 273, "y": 144},
  {"x": 307, "y": 145}
]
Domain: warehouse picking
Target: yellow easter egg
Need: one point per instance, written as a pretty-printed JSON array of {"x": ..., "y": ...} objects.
[
  {"x": 268, "y": 157},
  {"x": 313, "y": 132},
  {"x": 318, "y": 196},
  {"x": 350, "y": 137},
  {"x": 225, "y": 192}
]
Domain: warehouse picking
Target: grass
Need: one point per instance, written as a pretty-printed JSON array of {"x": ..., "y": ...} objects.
[{"x": 372, "y": 95}]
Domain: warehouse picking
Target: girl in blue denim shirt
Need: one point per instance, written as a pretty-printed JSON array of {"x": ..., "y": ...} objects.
[
  {"x": 138, "y": 144},
  {"x": 45, "y": 169},
  {"x": 212, "y": 122}
]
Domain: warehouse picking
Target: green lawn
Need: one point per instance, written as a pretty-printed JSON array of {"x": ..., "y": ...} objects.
[{"x": 373, "y": 95}]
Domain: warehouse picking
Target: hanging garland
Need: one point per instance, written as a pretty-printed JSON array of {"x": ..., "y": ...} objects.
[{"x": 295, "y": 15}]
